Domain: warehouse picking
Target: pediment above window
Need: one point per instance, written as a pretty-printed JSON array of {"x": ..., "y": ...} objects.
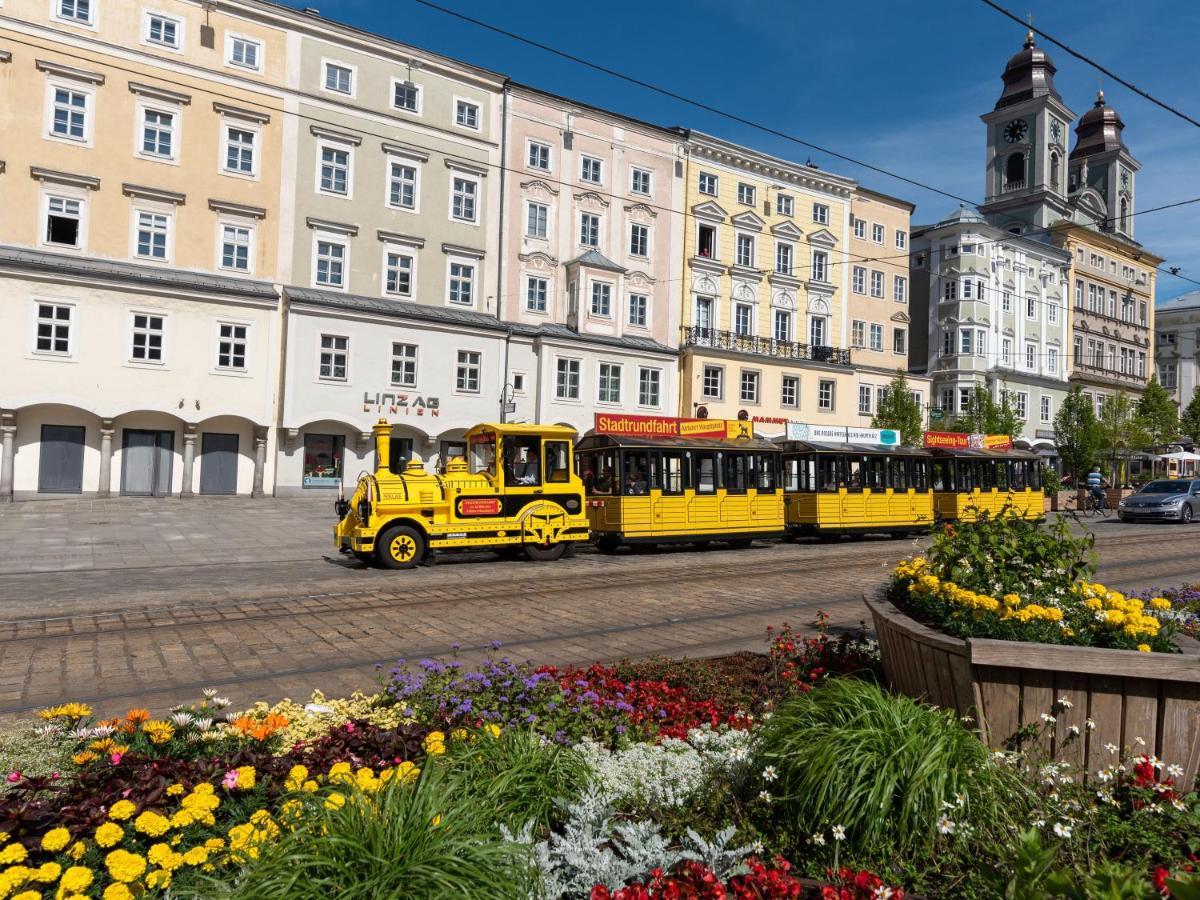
[
  {"x": 539, "y": 188},
  {"x": 787, "y": 230},
  {"x": 901, "y": 317},
  {"x": 823, "y": 237},
  {"x": 591, "y": 200},
  {"x": 710, "y": 211},
  {"x": 539, "y": 260},
  {"x": 750, "y": 220},
  {"x": 640, "y": 212}
]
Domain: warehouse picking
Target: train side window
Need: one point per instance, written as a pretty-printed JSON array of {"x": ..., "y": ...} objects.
[
  {"x": 829, "y": 473},
  {"x": 1001, "y": 469},
  {"x": 522, "y": 460},
  {"x": 940, "y": 472},
  {"x": 899, "y": 466},
  {"x": 1034, "y": 480},
  {"x": 706, "y": 473},
  {"x": 736, "y": 473},
  {"x": 637, "y": 473},
  {"x": 764, "y": 472},
  {"x": 963, "y": 481},
  {"x": 808, "y": 473},
  {"x": 675, "y": 472},
  {"x": 920, "y": 475},
  {"x": 854, "y": 473},
  {"x": 483, "y": 454},
  {"x": 791, "y": 474},
  {"x": 876, "y": 472},
  {"x": 558, "y": 462},
  {"x": 600, "y": 472}
]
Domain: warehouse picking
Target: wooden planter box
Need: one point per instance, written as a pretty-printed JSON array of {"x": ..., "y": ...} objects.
[{"x": 1007, "y": 685}]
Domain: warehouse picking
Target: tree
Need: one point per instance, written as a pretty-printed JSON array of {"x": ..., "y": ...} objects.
[
  {"x": 1158, "y": 413},
  {"x": 1121, "y": 430},
  {"x": 1189, "y": 422},
  {"x": 1076, "y": 433},
  {"x": 985, "y": 416},
  {"x": 899, "y": 409}
]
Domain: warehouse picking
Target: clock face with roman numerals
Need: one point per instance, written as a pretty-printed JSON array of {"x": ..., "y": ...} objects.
[
  {"x": 1056, "y": 131},
  {"x": 1016, "y": 130}
]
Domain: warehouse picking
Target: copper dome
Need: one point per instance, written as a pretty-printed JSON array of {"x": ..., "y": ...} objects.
[
  {"x": 1099, "y": 129},
  {"x": 1030, "y": 73}
]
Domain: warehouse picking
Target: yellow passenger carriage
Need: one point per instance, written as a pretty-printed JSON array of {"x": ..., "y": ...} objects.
[
  {"x": 516, "y": 491},
  {"x": 967, "y": 482},
  {"x": 655, "y": 490},
  {"x": 835, "y": 489}
]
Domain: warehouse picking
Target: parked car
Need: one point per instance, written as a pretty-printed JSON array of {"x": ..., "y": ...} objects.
[{"x": 1169, "y": 499}]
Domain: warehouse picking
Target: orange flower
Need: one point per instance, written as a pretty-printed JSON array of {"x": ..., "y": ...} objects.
[
  {"x": 137, "y": 716},
  {"x": 260, "y": 731}
]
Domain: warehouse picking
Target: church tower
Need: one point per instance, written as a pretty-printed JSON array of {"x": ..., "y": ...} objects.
[
  {"x": 1102, "y": 171},
  {"x": 1026, "y": 178}
]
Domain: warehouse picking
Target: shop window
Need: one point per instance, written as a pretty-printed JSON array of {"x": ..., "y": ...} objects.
[{"x": 323, "y": 458}]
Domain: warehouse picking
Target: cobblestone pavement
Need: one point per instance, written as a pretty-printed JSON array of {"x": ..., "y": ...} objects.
[{"x": 151, "y": 602}]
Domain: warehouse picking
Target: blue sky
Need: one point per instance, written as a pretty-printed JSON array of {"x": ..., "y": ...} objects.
[{"x": 895, "y": 84}]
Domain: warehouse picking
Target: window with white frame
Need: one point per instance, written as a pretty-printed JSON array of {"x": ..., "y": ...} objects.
[
  {"x": 591, "y": 170},
  {"x": 864, "y": 399},
  {"x": 1005, "y": 351},
  {"x": 789, "y": 391},
  {"x": 566, "y": 379},
  {"x": 749, "y": 387},
  {"x": 968, "y": 288},
  {"x": 745, "y": 193},
  {"x": 402, "y": 185},
  {"x": 64, "y": 221},
  {"x": 158, "y": 133},
  {"x": 820, "y": 213},
  {"x": 152, "y": 233},
  {"x": 1052, "y": 312},
  {"x": 245, "y": 53},
  {"x": 463, "y": 192},
  {"x": 708, "y": 184},
  {"x": 712, "y": 382},
  {"x": 781, "y": 325},
  {"x": 76, "y": 11},
  {"x": 964, "y": 399},
  {"x": 876, "y": 284},
  {"x": 638, "y": 306},
  {"x": 639, "y": 240},
  {"x": 335, "y": 170},
  {"x": 950, "y": 290},
  {"x": 147, "y": 338},
  {"x": 899, "y": 288},
  {"x": 339, "y": 78},
  {"x": 639, "y": 181},
  {"x": 236, "y": 244},
  {"x": 858, "y": 279},
  {"x": 649, "y": 387},
  {"x": 784, "y": 258},
  {"x": 1052, "y": 360},
  {"x": 53, "y": 329},
  {"x": 537, "y": 291},
  {"x": 1031, "y": 357},
  {"x": 461, "y": 288},
  {"x": 948, "y": 342},
  {"x": 162, "y": 30},
  {"x": 981, "y": 343},
  {"x": 589, "y": 230},
  {"x": 860, "y": 228},
  {"x": 466, "y": 115},
  {"x": 785, "y": 205},
  {"x": 966, "y": 341},
  {"x": 858, "y": 333},
  {"x": 825, "y": 395},
  {"x": 877, "y": 234},
  {"x": 466, "y": 376},
  {"x": 70, "y": 114},
  {"x": 1022, "y": 405},
  {"x": 406, "y": 96},
  {"x": 1031, "y": 308},
  {"x": 398, "y": 273},
  {"x": 743, "y": 318},
  {"x": 876, "y": 336},
  {"x": 745, "y": 250},
  {"x": 537, "y": 217},
  {"x": 331, "y": 264},
  {"x": 609, "y": 383},
  {"x": 1047, "y": 411},
  {"x": 538, "y": 156},
  {"x": 900, "y": 340},
  {"x": 404, "y": 365},
  {"x": 901, "y": 239},
  {"x": 601, "y": 299},
  {"x": 1005, "y": 301},
  {"x": 820, "y": 266},
  {"x": 240, "y": 146},
  {"x": 232, "y": 340}
]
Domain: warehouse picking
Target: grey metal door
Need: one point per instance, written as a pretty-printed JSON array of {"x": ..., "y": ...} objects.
[
  {"x": 60, "y": 470},
  {"x": 218, "y": 463},
  {"x": 146, "y": 462}
]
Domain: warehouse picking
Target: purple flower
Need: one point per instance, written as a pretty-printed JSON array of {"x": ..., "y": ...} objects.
[{"x": 495, "y": 645}]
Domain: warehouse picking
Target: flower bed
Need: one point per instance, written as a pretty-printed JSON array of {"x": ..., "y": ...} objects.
[{"x": 743, "y": 777}]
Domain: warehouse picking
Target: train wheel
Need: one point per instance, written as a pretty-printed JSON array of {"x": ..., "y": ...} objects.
[
  {"x": 898, "y": 535},
  {"x": 701, "y": 545},
  {"x": 740, "y": 543},
  {"x": 508, "y": 551},
  {"x": 400, "y": 547},
  {"x": 545, "y": 552},
  {"x": 608, "y": 543}
]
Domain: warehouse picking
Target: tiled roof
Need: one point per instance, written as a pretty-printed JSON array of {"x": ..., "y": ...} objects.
[{"x": 596, "y": 260}]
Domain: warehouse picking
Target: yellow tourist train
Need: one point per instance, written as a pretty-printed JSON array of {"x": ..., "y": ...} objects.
[
  {"x": 646, "y": 490},
  {"x": 967, "y": 482},
  {"x": 855, "y": 489}
]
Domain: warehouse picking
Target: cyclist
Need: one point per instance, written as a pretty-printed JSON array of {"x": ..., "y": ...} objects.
[{"x": 1096, "y": 484}]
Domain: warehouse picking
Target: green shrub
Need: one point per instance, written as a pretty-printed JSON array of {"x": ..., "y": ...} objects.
[
  {"x": 892, "y": 772},
  {"x": 424, "y": 840}
]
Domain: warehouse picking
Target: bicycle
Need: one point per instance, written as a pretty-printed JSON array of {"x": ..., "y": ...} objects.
[{"x": 1090, "y": 507}]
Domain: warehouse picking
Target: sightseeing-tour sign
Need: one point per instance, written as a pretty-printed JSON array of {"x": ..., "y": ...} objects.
[
  {"x": 666, "y": 426},
  {"x": 840, "y": 434},
  {"x": 958, "y": 440}
]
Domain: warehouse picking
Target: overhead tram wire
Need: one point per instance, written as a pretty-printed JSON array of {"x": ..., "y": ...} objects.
[
  {"x": 849, "y": 258},
  {"x": 1084, "y": 58}
]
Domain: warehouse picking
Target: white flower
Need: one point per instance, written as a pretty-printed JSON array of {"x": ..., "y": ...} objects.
[
  {"x": 1039, "y": 823},
  {"x": 221, "y": 702},
  {"x": 1104, "y": 775},
  {"x": 203, "y": 724},
  {"x": 757, "y": 848},
  {"x": 839, "y": 832},
  {"x": 882, "y": 892},
  {"x": 766, "y": 716},
  {"x": 81, "y": 734},
  {"x": 769, "y": 774},
  {"x": 1065, "y": 703},
  {"x": 1139, "y": 741},
  {"x": 1074, "y": 729},
  {"x": 1062, "y": 830},
  {"x": 945, "y": 825},
  {"x": 818, "y": 839},
  {"x": 1046, "y": 717},
  {"x": 739, "y": 753},
  {"x": 209, "y": 693},
  {"x": 103, "y": 731},
  {"x": 181, "y": 718},
  {"x": 764, "y": 796},
  {"x": 1174, "y": 770},
  {"x": 1091, "y": 724},
  {"x": 1111, "y": 748}
]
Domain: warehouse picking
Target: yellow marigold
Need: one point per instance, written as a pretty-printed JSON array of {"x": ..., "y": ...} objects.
[
  {"x": 240, "y": 835},
  {"x": 124, "y": 866},
  {"x": 1160, "y": 603},
  {"x": 157, "y": 853},
  {"x": 48, "y": 872},
  {"x": 296, "y": 778},
  {"x": 77, "y": 879},
  {"x": 309, "y": 787},
  {"x": 55, "y": 839},
  {"x": 493, "y": 729},
  {"x": 12, "y": 877},
  {"x": 245, "y": 778},
  {"x": 197, "y": 856},
  {"x": 1114, "y": 617},
  {"x": 203, "y": 788},
  {"x": 13, "y": 853},
  {"x": 341, "y": 773},
  {"x": 152, "y": 823},
  {"x": 214, "y": 844},
  {"x": 366, "y": 780},
  {"x": 1052, "y": 614},
  {"x": 1012, "y": 599},
  {"x": 407, "y": 771},
  {"x": 84, "y": 757},
  {"x": 335, "y": 801},
  {"x": 121, "y": 810},
  {"x": 175, "y": 790},
  {"x": 66, "y": 711},
  {"x": 182, "y": 818},
  {"x": 435, "y": 743},
  {"x": 1144, "y": 648},
  {"x": 159, "y": 878},
  {"x": 117, "y": 892},
  {"x": 109, "y": 834},
  {"x": 77, "y": 850},
  {"x": 28, "y": 895},
  {"x": 1093, "y": 603},
  {"x": 158, "y": 731},
  {"x": 458, "y": 734},
  {"x": 291, "y": 809}
]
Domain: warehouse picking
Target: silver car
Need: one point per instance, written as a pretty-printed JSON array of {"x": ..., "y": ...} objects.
[{"x": 1170, "y": 500}]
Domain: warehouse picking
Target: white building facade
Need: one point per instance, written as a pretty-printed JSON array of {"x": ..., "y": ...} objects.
[{"x": 1177, "y": 323}]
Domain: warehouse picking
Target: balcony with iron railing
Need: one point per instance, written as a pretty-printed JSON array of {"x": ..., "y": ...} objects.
[{"x": 695, "y": 336}]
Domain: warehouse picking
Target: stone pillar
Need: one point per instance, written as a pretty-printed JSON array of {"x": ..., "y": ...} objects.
[
  {"x": 8, "y": 442},
  {"x": 189, "y": 459},
  {"x": 104, "y": 487},
  {"x": 260, "y": 462}
]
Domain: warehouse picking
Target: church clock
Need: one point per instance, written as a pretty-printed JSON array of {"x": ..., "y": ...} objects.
[{"x": 1016, "y": 130}]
